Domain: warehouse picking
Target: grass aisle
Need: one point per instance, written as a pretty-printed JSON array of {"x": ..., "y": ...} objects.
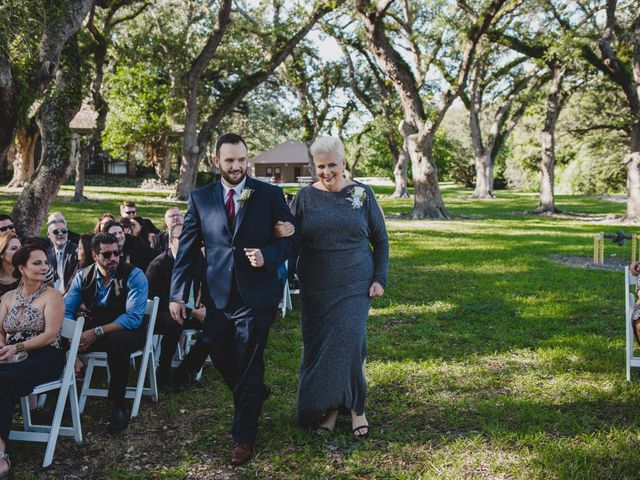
[{"x": 486, "y": 360}]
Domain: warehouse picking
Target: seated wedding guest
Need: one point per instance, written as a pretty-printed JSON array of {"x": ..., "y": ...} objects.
[
  {"x": 128, "y": 209},
  {"x": 6, "y": 223},
  {"x": 73, "y": 236},
  {"x": 139, "y": 229},
  {"x": 9, "y": 244},
  {"x": 160, "y": 241},
  {"x": 113, "y": 295},
  {"x": 30, "y": 321},
  {"x": 62, "y": 255},
  {"x": 159, "y": 277},
  {"x": 133, "y": 249},
  {"x": 104, "y": 219},
  {"x": 84, "y": 250}
]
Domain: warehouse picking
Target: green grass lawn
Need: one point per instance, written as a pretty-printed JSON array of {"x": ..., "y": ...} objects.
[{"x": 486, "y": 360}]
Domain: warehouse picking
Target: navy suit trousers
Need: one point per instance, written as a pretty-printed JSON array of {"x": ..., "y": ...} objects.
[{"x": 236, "y": 337}]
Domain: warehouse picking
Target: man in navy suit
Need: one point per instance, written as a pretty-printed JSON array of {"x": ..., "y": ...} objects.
[{"x": 235, "y": 219}]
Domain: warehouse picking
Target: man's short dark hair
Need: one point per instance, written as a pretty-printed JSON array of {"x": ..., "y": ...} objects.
[
  {"x": 107, "y": 226},
  {"x": 102, "y": 237},
  {"x": 232, "y": 138},
  {"x": 4, "y": 216}
]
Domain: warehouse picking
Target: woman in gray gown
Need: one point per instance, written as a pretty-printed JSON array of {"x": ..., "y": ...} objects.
[{"x": 342, "y": 265}]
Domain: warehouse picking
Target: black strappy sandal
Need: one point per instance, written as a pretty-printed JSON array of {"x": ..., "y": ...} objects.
[{"x": 356, "y": 431}]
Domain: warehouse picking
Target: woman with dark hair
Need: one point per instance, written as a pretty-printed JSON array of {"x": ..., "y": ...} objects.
[
  {"x": 139, "y": 228},
  {"x": 104, "y": 218},
  {"x": 30, "y": 321},
  {"x": 9, "y": 244}
]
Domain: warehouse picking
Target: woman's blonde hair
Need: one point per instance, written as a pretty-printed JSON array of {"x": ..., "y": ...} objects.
[
  {"x": 5, "y": 239},
  {"x": 329, "y": 146}
]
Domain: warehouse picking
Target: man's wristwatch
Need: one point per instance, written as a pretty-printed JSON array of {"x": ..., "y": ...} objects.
[{"x": 98, "y": 331}]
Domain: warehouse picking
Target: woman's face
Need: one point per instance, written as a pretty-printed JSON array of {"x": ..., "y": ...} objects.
[
  {"x": 14, "y": 245},
  {"x": 329, "y": 170},
  {"x": 81, "y": 255},
  {"x": 36, "y": 268},
  {"x": 135, "y": 227}
]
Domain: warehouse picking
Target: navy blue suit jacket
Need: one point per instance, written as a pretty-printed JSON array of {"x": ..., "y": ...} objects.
[{"x": 206, "y": 221}]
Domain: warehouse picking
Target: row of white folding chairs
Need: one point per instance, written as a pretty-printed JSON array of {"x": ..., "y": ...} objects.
[{"x": 72, "y": 330}]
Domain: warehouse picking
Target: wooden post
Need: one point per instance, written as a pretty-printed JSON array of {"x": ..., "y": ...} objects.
[{"x": 598, "y": 249}]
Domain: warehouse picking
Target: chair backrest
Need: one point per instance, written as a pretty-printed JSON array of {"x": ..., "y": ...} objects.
[
  {"x": 72, "y": 329},
  {"x": 152, "y": 311}
]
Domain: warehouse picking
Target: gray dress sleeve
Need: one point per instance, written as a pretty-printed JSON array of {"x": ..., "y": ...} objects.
[{"x": 378, "y": 238}]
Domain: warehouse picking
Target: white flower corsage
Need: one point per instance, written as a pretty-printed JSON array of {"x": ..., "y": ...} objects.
[
  {"x": 357, "y": 197},
  {"x": 245, "y": 195}
]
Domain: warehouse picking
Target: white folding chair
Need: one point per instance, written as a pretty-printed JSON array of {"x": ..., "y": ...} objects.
[
  {"x": 147, "y": 367},
  {"x": 71, "y": 329},
  {"x": 629, "y": 302}
]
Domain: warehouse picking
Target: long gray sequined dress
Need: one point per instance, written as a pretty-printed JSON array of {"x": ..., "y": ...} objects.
[{"x": 344, "y": 249}]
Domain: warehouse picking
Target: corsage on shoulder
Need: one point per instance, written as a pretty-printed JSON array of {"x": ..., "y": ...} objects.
[{"x": 357, "y": 197}]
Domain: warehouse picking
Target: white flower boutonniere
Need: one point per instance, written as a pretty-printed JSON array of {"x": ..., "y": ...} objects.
[
  {"x": 357, "y": 197},
  {"x": 245, "y": 195}
]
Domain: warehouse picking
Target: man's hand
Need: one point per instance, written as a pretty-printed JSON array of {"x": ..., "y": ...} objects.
[
  {"x": 199, "y": 313},
  {"x": 376, "y": 290},
  {"x": 283, "y": 229},
  {"x": 255, "y": 257},
  {"x": 86, "y": 339},
  {"x": 178, "y": 312},
  {"x": 7, "y": 352},
  {"x": 635, "y": 268}
]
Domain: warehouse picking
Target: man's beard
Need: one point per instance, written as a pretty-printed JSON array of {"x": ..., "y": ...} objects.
[{"x": 232, "y": 182}]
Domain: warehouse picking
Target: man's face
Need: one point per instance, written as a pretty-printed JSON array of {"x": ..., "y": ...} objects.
[
  {"x": 7, "y": 225},
  {"x": 126, "y": 211},
  {"x": 118, "y": 232},
  {"x": 108, "y": 257},
  {"x": 173, "y": 217},
  {"x": 58, "y": 234},
  {"x": 232, "y": 162}
]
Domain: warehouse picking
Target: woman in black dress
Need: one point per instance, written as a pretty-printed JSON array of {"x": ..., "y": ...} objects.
[{"x": 30, "y": 321}]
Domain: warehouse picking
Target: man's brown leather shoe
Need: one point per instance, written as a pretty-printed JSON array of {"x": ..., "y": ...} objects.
[{"x": 241, "y": 453}]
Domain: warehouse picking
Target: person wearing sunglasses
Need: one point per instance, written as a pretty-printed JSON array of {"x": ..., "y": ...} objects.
[
  {"x": 112, "y": 295},
  {"x": 71, "y": 236},
  {"x": 6, "y": 223},
  {"x": 62, "y": 255},
  {"x": 129, "y": 209}
]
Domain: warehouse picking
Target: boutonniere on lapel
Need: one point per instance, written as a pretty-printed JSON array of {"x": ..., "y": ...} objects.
[
  {"x": 357, "y": 197},
  {"x": 245, "y": 195}
]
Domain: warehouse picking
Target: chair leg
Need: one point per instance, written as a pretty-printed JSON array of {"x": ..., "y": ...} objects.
[
  {"x": 26, "y": 413},
  {"x": 153, "y": 381},
  {"x": 75, "y": 412},
  {"x": 86, "y": 384},
  {"x": 55, "y": 425},
  {"x": 137, "y": 398}
]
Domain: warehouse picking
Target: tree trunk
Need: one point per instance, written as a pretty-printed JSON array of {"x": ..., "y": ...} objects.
[
  {"x": 427, "y": 199},
  {"x": 81, "y": 167},
  {"x": 56, "y": 112},
  {"x": 548, "y": 142},
  {"x": 484, "y": 176},
  {"x": 24, "y": 161},
  {"x": 400, "y": 175},
  {"x": 632, "y": 161},
  {"x": 74, "y": 155},
  {"x": 8, "y": 107}
]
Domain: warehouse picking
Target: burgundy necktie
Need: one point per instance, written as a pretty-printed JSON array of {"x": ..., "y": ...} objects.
[{"x": 230, "y": 206}]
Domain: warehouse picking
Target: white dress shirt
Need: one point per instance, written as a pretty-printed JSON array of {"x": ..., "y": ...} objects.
[{"x": 236, "y": 196}]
